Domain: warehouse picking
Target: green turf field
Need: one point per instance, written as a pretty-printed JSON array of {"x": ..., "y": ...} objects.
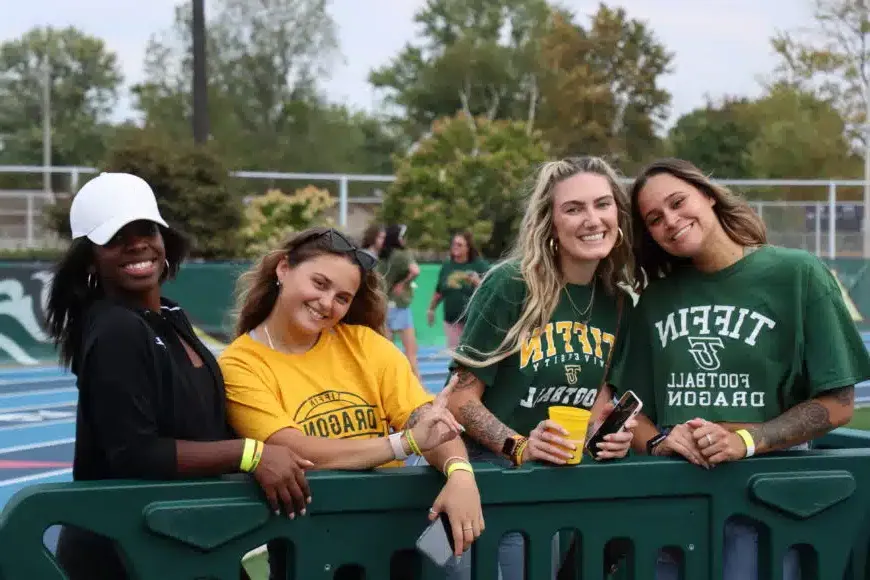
[
  {"x": 861, "y": 419},
  {"x": 257, "y": 566}
]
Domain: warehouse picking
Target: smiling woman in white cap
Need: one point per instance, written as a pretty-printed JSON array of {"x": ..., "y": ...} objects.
[{"x": 151, "y": 395}]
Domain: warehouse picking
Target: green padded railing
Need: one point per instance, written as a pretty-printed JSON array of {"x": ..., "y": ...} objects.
[{"x": 184, "y": 530}]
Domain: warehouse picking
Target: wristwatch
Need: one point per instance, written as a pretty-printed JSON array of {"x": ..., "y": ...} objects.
[
  {"x": 654, "y": 441},
  {"x": 510, "y": 447}
]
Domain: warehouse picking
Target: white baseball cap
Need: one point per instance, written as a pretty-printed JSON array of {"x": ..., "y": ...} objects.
[{"x": 110, "y": 201}]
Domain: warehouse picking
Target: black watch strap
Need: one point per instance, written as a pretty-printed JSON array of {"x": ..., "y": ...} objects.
[{"x": 651, "y": 444}]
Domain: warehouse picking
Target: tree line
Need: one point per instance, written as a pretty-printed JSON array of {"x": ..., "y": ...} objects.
[{"x": 527, "y": 73}]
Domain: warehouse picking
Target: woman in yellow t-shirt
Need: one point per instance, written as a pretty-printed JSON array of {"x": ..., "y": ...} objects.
[{"x": 310, "y": 369}]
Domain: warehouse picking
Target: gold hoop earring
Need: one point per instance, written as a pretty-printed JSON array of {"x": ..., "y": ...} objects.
[
  {"x": 553, "y": 246},
  {"x": 620, "y": 237}
]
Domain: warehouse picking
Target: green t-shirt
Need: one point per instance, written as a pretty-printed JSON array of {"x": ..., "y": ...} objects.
[
  {"x": 394, "y": 269},
  {"x": 562, "y": 364},
  {"x": 742, "y": 344},
  {"x": 455, "y": 287}
]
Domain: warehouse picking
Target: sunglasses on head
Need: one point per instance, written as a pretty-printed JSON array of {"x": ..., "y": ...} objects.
[{"x": 339, "y": 243}]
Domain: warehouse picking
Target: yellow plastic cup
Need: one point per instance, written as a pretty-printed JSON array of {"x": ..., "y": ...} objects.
[{"x": 575, "y": 421}]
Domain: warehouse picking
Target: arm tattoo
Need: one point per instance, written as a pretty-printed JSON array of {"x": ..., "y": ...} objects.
[
  {"x": 467, "y": 379},
  {"x": 803, "y": 422},
  {"x": 416, "y": 414},
  {"x": 480, "y": 424},
  {"x": 844, "y": 395}
]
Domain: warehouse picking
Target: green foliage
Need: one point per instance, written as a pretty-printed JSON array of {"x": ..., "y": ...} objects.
[
  {"x": 475, "y": 56},
  {"x": 600, "y": 87},
  {"x": 590, "y": 89},
  {"x": 786, "y": 134},
  {"x": 84, "y": 79},
  {"x": 831, "y": 60},
  {"x": 466, "y": 174},
  {"x": 272, "y": 217},
  {"x": 717, "y": 138},
  {"x": 265, "y": 112},
  {"x": 800, "y": 136},
  {"x": 191, "y": 187}
]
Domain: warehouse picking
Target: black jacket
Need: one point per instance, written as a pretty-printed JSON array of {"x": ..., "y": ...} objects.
[{"x": 139, "y": 392}]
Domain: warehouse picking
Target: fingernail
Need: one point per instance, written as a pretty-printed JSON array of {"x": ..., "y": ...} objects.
[
  {"x": 277, "y": 512},
  {"x": 292, "y": 516},
  {"x": 308, "y": 499},
  {"x": 303, "y": 511}
]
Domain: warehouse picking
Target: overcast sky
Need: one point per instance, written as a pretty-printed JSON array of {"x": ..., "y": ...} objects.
[{"x": 720, "y": 46}]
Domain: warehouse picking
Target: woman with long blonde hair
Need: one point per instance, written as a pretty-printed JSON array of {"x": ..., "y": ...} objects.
[{"x": 544, "y": 325}]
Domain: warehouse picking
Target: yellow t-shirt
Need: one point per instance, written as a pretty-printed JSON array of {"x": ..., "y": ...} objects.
[{"x": 353, "y": 383}]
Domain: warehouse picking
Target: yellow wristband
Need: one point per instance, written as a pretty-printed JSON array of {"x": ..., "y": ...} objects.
[
  {"x": 449, "y": 459},
  {"x": 412, "y": 443},
  {"x": 521, "y": 448},
  {"x": 258, "y": 454},
  {"x": 248, "y": 455},
  {"x": 748, "y": 440},
  {"x": 461, "y": 466}
]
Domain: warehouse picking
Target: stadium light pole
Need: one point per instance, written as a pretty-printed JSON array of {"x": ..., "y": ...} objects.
[{"x": 200, "y": 82}]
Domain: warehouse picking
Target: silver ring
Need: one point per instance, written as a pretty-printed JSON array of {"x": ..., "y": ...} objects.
[
  {"x": 709, "y": 439},
  {"x": 431, "y": 511}
]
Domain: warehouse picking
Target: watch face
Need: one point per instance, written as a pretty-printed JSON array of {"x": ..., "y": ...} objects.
[{"x": 509, "y": 445}]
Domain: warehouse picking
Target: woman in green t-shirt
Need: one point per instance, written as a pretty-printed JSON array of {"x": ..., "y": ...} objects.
[
  {"x": 399, "y": 270},
  {"x": 737, "y": 348},
  {"x": 457, "y": 280},
  {"x": 543, "y": 326}
]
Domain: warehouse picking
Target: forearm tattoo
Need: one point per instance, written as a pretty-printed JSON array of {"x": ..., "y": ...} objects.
[
  {"x": 803, "y": 422},
  {"x": 480, "y": 424},
  {"x": 844, "y": 396},
  {"x": 415, "y": 415},
  {"x": 467, "y": 379}
]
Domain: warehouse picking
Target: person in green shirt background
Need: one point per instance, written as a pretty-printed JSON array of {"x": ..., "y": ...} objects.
[
  {"x": 457, "y": 279},
  {"x": 399, "y": 270},
  {"x": 736, "y": 347},
  {"x": 543, "y": 327}
]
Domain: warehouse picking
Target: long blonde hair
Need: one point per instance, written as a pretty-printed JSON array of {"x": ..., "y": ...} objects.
[{"x": 538, "y": 264}]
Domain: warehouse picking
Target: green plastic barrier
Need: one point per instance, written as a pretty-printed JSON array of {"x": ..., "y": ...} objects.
[{"x": 817, "y": 500}]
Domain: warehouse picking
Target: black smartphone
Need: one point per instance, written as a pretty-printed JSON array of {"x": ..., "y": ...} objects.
[
  {"x": 627, "y": 407},
  {"x": 436, "y": 541}
]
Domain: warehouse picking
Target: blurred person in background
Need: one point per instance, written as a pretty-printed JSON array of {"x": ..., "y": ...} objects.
[
  {"x": 399, "y": 270},
  {"x": 373, "y": 239},
  {"x": 459, "y": 276}
]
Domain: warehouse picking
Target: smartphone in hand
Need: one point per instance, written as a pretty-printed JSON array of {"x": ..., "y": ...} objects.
[
  {"x": 436, "y": 541},
  {"x": 628, "y": 406}
]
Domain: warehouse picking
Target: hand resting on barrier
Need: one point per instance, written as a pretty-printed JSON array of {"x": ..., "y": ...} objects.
[{"x": 281, "y": 474}]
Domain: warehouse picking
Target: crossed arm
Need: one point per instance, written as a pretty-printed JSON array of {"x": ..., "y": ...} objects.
[
  {"x": 802, "y": 423},
  {"x": 437, "y": 457}
]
